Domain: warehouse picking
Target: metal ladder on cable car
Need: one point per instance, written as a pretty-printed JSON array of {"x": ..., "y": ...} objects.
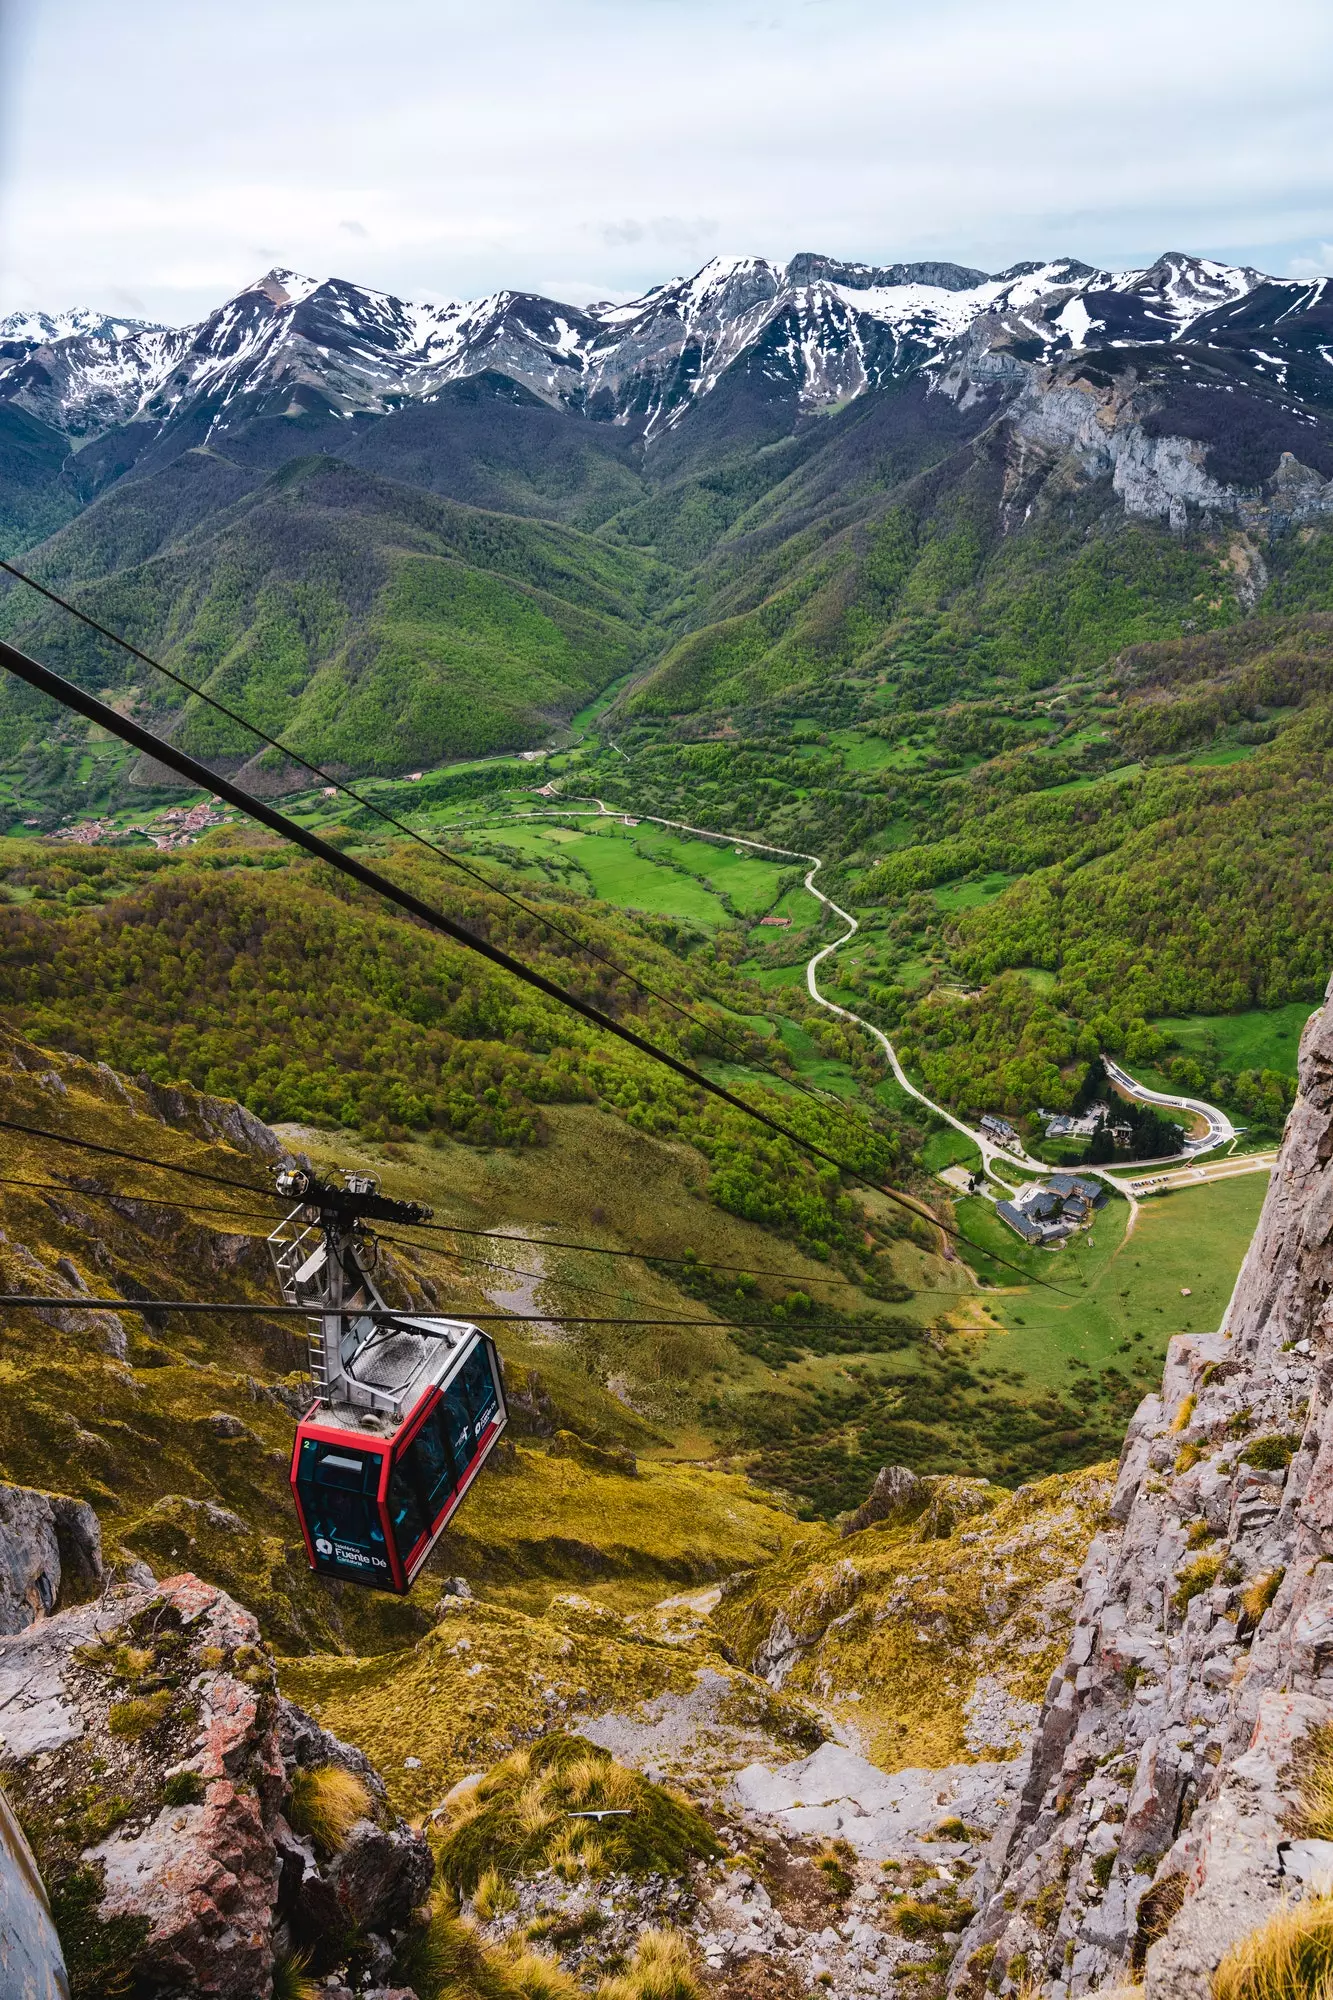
[
  {"x": 300, "y": 1256},
  {"x": 324, "y": 1268}
]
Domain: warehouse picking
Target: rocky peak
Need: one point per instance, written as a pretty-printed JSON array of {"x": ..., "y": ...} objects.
[{"x": 1158, "y": 1823}]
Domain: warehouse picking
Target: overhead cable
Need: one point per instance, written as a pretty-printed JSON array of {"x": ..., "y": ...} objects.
[{"x": 436, "y": 1228}]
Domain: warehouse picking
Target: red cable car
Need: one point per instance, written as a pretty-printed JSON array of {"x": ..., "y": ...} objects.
[{"x": 408, "y": 1406}]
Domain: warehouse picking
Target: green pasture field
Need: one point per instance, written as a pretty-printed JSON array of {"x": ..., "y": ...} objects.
[
  {"x": 948, "y": 1148},
  {"x": 750, "y": 882},
  {"x": 1119, "y": 1298},
  {"x": 861, "y": 752},
  {"x": 969, "y": 895},
  {"x": 1225, "y": 753},
  {"x": 618, "y": 874},
  {"x": 598, "y": 706},
  {"x": 825, "y": 1072},
  {"x": 770, "y": 976},
  {"x": 1264, "y": 1038}
]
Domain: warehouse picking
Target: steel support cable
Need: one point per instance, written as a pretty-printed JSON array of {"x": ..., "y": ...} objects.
[
  {"x": 76, "y": 1302},
  {"x": 391, "y": 819},
  {"x": 436, "y": 1228},
  {"x": 54, "y": 685},
  {"x": 240, "y": 1215}
]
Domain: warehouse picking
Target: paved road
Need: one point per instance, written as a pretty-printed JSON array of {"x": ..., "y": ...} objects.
[{"x": 1220, "y": 1128}]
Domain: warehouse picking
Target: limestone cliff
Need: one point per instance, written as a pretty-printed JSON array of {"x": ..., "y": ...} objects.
[{"x": 1155, "y": 1826}]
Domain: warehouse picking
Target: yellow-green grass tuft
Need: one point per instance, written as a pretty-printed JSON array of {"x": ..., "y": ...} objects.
[
  {"x": 1256, "y": 1600},
  {"x": 442, "y": 1958},
  {"x": 325, "y": 1804},
  {"x": 1288, "y": 1958},
  {"x": 661, "y": 1969},
  {"x": 1195, "y": 1578},
  {"x": 132, "y": 1719},
  {"x": 519, "y": 1818},
  {"x": 493, "y": 1896},
  {"x": 538, "y": 1977},
  {"x": 1314, "y": 1784},
  {"x": 1180, "y": 1421},
  {"x": 292, "y": 1980}
]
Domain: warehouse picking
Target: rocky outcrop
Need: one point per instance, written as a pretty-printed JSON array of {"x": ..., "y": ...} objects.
[
  {"x": 1154, "y": 1827},
  {"x": 50, "y": 1553},
  {"x": 151, "y": 1763},
  {"x": 896, "y": 1493}
]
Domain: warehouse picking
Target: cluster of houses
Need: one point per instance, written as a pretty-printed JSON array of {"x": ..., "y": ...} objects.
[
  {"x": 178, "y": 827},
  {"x": 1048, "y": 1211}
]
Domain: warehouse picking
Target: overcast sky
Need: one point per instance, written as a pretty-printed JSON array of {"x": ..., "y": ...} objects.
[{"x": 157, "y": 154}]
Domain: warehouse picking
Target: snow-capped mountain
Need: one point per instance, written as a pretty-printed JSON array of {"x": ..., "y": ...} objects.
[
  {"x": 815, "y": 331},
  {"x": 30, "y": 329}
]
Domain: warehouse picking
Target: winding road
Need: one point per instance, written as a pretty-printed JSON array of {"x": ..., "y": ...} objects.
[{"x": 1220, "y": 1131}]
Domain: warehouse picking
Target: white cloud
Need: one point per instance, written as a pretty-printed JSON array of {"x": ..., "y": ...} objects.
[{"x": 597, "y": 149}]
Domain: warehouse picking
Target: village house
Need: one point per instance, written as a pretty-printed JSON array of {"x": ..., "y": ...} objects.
[{"x": 1048, "y": 1211}]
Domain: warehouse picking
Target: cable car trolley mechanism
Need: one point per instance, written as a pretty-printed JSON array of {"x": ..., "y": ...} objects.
[{"x": 408, "y": 1407}]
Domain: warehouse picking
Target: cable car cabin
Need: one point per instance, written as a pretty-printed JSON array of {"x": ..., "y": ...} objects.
[{"x": 374, "y": 1489}]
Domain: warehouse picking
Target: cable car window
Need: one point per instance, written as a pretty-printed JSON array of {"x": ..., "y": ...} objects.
[
  {"x": 427, "y": 1465},
  {"x": 337, "y": 1486},
  {"x": 456, "y": 1418},
  {"x": 409, "y": 1523},
  {"x": 480, "y": 1386}
]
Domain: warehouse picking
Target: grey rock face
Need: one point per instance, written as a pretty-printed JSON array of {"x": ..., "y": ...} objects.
[
  {"x": 48, "y": 1543},
  {"x": 1153, "y": 1829},
  {"x": 32, "y": 1966},
  {"x": 895, "y": 1494}
]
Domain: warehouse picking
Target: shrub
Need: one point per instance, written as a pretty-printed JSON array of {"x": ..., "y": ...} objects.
[
  {"x": 325, "y": 1804},
  {"x": 1272, "y": 1454},
  {"x": 1288, "y": 1958},
  {"x": 1101, "y": 1869}
]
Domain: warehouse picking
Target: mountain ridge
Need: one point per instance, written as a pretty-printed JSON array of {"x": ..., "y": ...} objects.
[{"x": 640, "y": 363}]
